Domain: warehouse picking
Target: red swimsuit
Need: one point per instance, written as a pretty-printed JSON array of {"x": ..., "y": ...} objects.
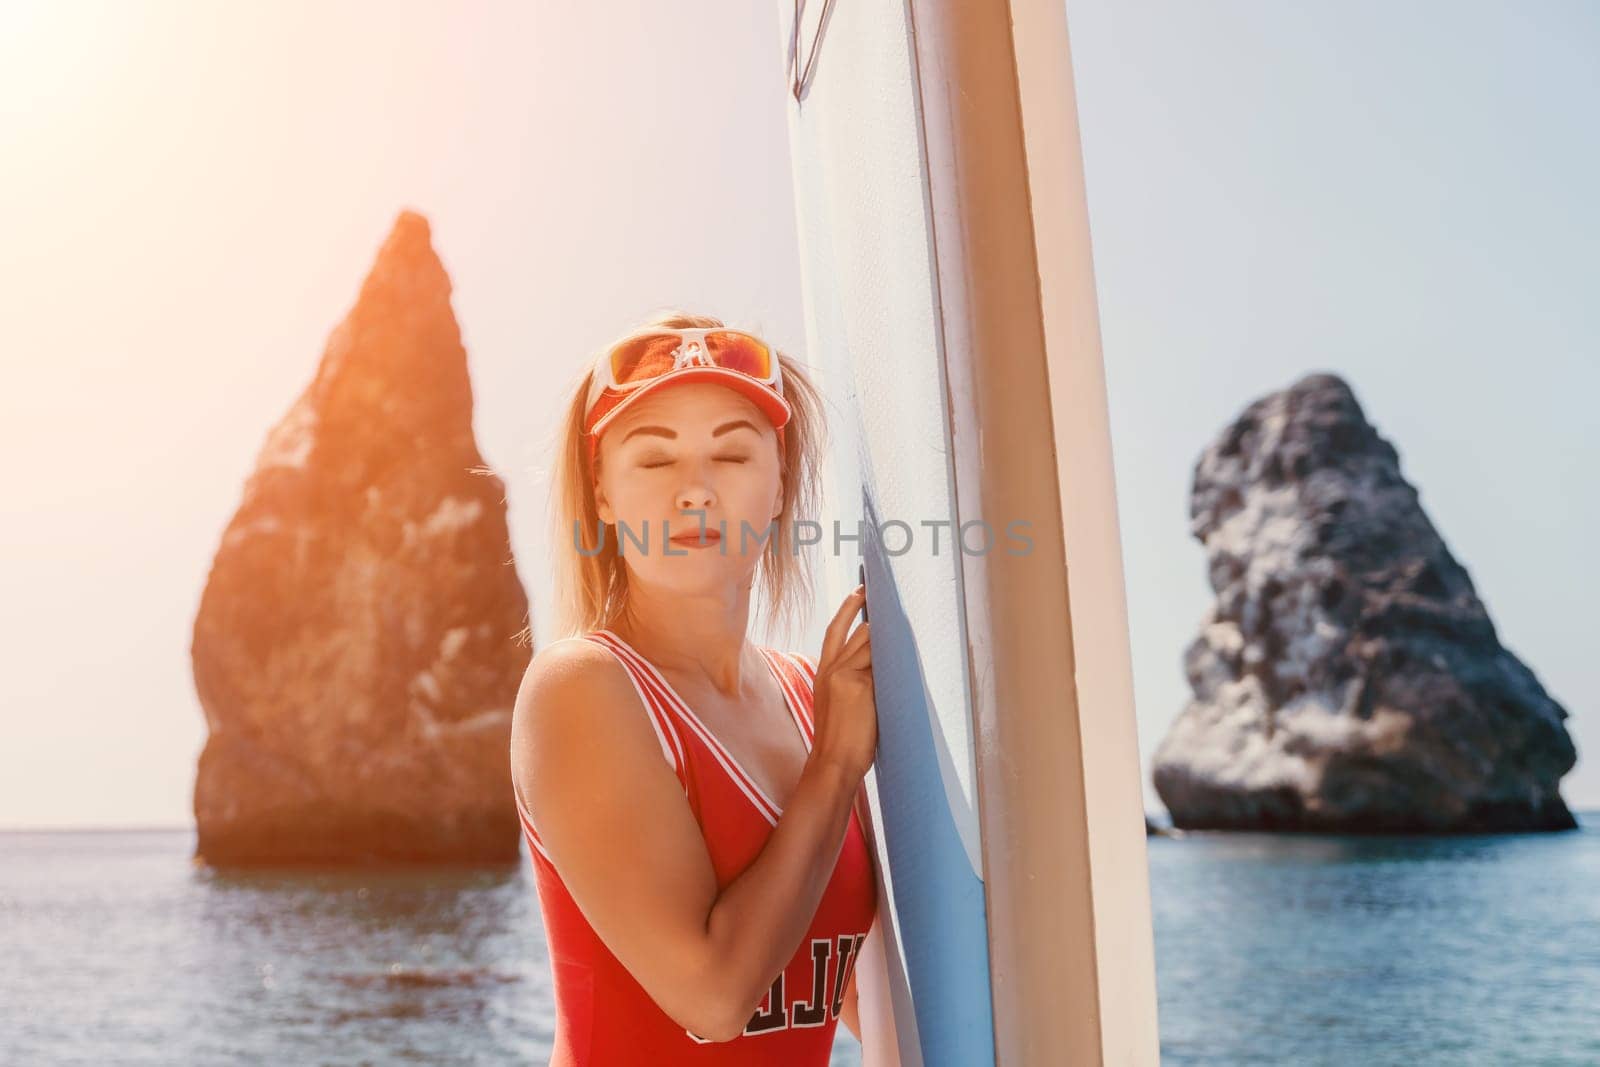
[{"x": 605, "y": 1017}]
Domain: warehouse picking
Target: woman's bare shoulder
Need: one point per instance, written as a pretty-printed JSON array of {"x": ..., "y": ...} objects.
[
  {"x": 567, "y": 675},
  {"x": 575, "y": 702},
  {"x": 568, "y": 656}
]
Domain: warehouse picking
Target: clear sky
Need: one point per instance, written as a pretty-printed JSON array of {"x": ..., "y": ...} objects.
[{"x": 192, "y": 194}]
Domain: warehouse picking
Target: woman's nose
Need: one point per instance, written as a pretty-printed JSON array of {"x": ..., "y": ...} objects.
[
  {"x": 696, "y": 491},
  {"x": 696, "y": 497}
]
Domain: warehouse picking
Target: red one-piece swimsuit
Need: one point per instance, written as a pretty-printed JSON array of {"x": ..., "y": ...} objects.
[{"x": 604, "y": 1017}]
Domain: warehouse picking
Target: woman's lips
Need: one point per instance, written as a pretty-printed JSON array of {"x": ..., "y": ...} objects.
[{"x": 694, "y": 540}]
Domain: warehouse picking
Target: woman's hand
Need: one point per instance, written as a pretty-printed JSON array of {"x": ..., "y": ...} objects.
[{"x": 845, "y": 712}]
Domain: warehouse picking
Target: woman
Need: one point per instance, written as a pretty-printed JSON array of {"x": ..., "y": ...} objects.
[{"x": 693, "y": 800}]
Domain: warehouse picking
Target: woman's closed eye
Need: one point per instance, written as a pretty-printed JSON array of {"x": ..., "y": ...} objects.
[{"x": 719, "y": 459}]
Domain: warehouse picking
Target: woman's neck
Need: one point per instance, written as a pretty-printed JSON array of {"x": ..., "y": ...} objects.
[{"x": 698, "y": 636}]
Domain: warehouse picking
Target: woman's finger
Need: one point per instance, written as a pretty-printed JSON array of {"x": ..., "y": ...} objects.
[
  {"x": 834, "y": 638},
  {"x": 857, "y": 651}
]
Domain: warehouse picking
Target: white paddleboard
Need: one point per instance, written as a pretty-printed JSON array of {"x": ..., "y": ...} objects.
[{"x": 950, "y": 323}]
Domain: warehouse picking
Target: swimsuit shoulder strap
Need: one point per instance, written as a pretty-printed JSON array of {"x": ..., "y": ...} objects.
[
  {"x": 656, "y": 704},
  {"x": 797, "y": 674}
]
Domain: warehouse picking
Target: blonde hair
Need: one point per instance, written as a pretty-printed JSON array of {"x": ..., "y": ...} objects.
[{"x": 591, "y": 586}]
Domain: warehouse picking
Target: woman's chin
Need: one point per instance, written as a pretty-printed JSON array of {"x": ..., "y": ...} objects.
[{"x": 700, "y": 569}]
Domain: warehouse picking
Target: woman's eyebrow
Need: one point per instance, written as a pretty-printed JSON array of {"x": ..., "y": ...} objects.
[
  {"x": 662, "y": 431},
  {"x": 729, "y": 427}
]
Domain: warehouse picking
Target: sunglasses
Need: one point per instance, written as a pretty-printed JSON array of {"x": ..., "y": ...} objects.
[{"x": 641, "y": 358}]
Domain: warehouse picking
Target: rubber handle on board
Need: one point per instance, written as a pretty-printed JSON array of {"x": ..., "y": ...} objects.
[{"x": 862, "y": 579}]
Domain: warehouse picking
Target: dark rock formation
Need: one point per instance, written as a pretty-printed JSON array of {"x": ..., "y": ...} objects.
[
  {"x": 1347, "y": 678},
  {"x": 353, "y": 650}
]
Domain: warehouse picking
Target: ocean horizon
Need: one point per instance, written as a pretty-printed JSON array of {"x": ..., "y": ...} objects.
[{"x": 1270, "y": 949}]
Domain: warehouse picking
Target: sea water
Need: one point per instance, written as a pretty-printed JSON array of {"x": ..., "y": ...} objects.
[
  {"x": 1307, "y": 950},
  {"x": 116, "y": 949}
]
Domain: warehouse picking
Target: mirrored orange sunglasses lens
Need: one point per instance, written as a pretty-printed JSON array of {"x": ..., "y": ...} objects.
[
  {"x": 650, "y": 356},
  {"x": 740, "y": 352}
]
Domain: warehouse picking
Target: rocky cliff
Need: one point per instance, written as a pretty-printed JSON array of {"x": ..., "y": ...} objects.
[
  {"x": 353, "y": 650},
  {"x": 1347, "y": 677}
]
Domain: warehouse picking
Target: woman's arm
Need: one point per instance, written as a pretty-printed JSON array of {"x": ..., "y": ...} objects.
[
  {"x": 617, "y": 826},
  {"x": 848, "y": 1013}
]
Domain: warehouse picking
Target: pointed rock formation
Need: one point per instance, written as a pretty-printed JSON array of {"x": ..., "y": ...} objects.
[
  {"x": 1347, "y": 678},
  {"x": 353, "y": 651}
]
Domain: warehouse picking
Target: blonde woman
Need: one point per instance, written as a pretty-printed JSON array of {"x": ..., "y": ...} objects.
[{"x": 693, "y": 800}]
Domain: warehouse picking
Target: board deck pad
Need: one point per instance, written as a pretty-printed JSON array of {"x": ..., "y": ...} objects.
[{"x": 929, "y": 827}]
